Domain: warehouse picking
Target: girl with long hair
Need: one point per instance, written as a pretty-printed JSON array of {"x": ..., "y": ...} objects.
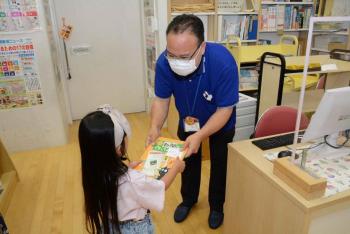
[{"x": 117, "y": 198}]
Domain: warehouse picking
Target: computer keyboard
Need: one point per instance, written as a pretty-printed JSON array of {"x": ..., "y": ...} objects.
[{"x": 276, "y": 141}]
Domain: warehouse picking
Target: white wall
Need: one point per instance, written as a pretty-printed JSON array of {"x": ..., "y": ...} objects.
[
  {"x": 43, "y": 125},
  {"x": 111, "y": 70}
]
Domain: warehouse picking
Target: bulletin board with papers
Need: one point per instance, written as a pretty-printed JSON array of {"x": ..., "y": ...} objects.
[
  {"x": 17, "y": 16},
  {"x": 19, "y": 78}
]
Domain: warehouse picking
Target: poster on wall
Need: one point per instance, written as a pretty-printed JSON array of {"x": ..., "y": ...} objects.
[
  {"x": 19, "y": 78},
  {"x": 18, "y": 16},
  {"x": 150, "y": 26}
]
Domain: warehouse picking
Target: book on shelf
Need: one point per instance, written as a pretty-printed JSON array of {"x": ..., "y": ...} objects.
[
  {"x": 280, "y": 17},
  {"x": 287, "y": 17},
  {"x": 248, "y": 73},
  {"x": 248, "y": 86},
  {"x": 272, "y": 1},
  {"x": 248, "y": 79},
  {"x": 245, "y": 27},
  {"x": 159, "y": 156}
]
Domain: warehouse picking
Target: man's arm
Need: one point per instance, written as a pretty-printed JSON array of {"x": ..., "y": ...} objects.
[
  {"x": 214, "y": 124},
  {"x": 159, "y": 113}
]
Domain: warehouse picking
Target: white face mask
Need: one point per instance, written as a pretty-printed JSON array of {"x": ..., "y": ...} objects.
[{"x": 182, "y": 67}]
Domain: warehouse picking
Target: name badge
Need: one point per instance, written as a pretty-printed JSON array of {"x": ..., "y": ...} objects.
[{"x": 191, "y": 124}]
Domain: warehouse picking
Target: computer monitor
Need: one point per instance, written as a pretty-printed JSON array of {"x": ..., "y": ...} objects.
[{"x": 332, "y": 114}]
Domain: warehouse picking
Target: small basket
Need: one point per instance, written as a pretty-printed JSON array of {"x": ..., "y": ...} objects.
[
  {"x": 193, "y": 6},
  {"x": 230, "y": 5}
]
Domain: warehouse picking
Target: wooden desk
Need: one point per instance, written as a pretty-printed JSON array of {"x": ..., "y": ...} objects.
[
  {"x": 258, "y": 202},
  {"x": 271, "y": 91}
]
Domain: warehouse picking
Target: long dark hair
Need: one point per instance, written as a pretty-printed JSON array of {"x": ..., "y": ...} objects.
[{"x": 101, "y": 169}]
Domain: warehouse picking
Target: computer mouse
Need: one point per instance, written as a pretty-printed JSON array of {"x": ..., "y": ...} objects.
[{"x": 284, "y": 153}]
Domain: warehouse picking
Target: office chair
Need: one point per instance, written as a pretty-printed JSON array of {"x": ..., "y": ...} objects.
[{"x": 277, "y": 120}]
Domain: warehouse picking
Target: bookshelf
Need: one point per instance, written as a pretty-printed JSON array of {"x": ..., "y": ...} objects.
[
  {"x": 234, "y": 16},
  {"x": 285, "y": 3},
  {"x": 244, "y": 26},
  {"x": 238, "y": 17},
  {"x": 285, "y": 16},
  {"x": 329, "y": 36},
  {"x": 237, "y": 13}
]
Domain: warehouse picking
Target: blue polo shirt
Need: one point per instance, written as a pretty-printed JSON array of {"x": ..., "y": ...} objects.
[{"x": 216, "y": 80}]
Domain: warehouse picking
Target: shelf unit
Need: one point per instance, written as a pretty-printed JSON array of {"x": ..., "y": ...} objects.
[
  {"x": 333, "y": 39},
  {"x": 194, "y": 13},
  {"x": 221, "y": 22},
  {"x": 8, "y": 178},
  {"x": 286, "y": 3},
  {"x": 237, "y": 13},
  {"x": 286, "y": 30},
  {"x": 215, "y": 12},
  {"x": 284, "y": 17},
  {"x": 210, "y": 17}
]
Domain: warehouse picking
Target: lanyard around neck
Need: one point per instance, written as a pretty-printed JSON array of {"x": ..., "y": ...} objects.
[{"x": 191, "y": 110}]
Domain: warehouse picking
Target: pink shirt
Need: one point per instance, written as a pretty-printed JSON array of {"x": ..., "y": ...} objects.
[{"x": 137, "y": 193}]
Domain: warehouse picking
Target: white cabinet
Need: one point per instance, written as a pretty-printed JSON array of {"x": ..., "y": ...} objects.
[{"x": 245, "y": 110}]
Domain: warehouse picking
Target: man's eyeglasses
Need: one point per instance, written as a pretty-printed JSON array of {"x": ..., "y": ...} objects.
[{"x": 170, "y": 56}]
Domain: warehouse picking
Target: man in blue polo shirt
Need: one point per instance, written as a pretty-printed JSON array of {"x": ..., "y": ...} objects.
[{"x": 203, "y": 78}]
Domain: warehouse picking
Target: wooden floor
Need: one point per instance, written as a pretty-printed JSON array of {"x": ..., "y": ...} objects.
[{"x": 49, "y": 198}]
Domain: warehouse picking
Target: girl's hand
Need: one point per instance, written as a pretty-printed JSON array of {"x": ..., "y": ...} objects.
[
  {"x": 134, "y": 164},
  {"x": 179, "y": 165}
]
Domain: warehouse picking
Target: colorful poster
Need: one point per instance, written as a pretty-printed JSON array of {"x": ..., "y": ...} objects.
[
  {"x": 19, "y": 78},
  {"x": 18, "y": 16},
  {"x": 150, "y": 26}
]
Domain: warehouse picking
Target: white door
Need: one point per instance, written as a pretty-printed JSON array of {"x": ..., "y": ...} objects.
[{"x": 110, "y": 68}]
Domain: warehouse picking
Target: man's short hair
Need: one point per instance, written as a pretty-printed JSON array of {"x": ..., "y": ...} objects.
[{"x": 184, "y": 22}]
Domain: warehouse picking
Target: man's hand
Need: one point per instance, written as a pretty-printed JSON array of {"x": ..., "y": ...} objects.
[
  {"x": 214, "y": 124},
  {"x": 192, "y": 144},
  {"x": 159, "y": 112},
  {"x": 153, "y": 134}
]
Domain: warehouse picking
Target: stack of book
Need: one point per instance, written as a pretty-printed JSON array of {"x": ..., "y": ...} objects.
[
  {"x": 285, "y": 17},
  {"x": 244, "y": 27},
  {"x": 248, "y": 79}
]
